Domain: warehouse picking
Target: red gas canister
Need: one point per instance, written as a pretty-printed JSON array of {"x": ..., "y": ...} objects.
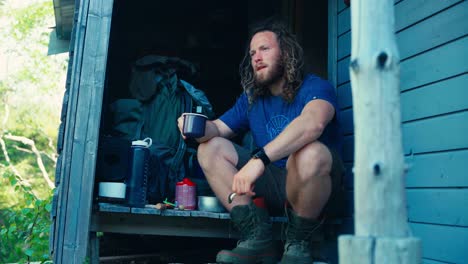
[{"x": 186, "y": 193}]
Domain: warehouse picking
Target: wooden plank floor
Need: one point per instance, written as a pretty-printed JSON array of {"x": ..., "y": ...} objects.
[
  {"x": 116, "y": 208},
  {"x": 115, "y": 218}
]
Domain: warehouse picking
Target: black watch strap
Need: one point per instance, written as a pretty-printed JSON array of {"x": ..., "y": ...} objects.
[{"x": 260, "y": 154}]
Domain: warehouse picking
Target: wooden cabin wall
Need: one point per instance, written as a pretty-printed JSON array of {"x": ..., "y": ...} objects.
[
  {"x": 79, "y": 131},
  {"x": 433, "y": 45}
]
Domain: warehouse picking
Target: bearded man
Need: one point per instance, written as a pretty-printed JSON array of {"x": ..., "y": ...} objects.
[{"x": 294, "y": 123}]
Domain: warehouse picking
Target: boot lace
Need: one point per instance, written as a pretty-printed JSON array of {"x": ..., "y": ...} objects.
[
  {"x": 300, "y": 237},
  {"x": 247, "y": 228}
]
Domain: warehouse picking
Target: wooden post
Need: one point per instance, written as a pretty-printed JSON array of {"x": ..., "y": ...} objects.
[{"x": 381, "y": 228}]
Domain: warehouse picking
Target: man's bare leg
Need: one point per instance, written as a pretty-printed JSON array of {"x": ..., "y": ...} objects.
[
  {"x": 308, "y": 183},
  {"x": 218, "y": 159},
  {"x": 308, "y": 187}
]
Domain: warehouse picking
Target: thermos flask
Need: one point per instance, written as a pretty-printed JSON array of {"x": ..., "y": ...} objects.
[{"x": 137, "y": 176}]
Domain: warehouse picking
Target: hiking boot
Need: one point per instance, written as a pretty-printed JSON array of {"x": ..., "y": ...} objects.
[
  {"x": 297, "y": 248},
  {"x": 256, "y": 244}
]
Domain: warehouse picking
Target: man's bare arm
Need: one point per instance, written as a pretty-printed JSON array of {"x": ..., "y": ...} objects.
[
  {"x": 304, "y": 129},
  {"x": 216, "y": 128}
]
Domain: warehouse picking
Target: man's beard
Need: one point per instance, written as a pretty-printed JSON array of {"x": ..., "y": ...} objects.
[{"x": 271, "y": 77}]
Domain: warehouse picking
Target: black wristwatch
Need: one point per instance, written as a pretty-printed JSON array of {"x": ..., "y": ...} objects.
[{"x": 260, "y": 154}]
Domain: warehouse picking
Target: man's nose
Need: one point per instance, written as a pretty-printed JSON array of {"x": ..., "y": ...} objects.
[{"x": 257, "y": 57}]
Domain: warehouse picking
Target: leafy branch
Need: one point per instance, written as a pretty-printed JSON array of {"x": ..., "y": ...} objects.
[
  {"x": 23, "y": 183},
  {"x": 25, "y": 141},
  {"x": 36, "y": 152}
]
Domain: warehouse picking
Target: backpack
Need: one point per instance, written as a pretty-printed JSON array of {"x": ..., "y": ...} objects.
[{"x": 161, "y": 97}]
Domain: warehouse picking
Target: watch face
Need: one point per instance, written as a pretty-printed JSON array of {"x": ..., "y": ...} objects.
[{"x": 260, "y": 154}]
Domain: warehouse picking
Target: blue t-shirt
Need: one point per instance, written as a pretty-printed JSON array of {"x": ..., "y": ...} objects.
[{"x": 269, "y": 115}]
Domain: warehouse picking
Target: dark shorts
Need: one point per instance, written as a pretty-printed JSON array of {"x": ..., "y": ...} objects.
[{"x": 272, "y": 184}]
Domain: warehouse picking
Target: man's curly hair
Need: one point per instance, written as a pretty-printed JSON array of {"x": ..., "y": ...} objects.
[{"x": 291, "y": 60}]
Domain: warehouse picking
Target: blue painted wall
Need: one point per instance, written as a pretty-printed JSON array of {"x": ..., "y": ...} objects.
[{"x": 432, "y": 38}]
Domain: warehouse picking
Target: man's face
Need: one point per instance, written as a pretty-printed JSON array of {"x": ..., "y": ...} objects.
[{"x": 265, "y": 55}]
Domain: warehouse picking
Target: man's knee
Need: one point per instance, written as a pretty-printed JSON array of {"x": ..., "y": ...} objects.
[
  {"x": 208, "y": 149},
  {"x": 312, "y": 160},
  {"x": 211, "y": 150}
]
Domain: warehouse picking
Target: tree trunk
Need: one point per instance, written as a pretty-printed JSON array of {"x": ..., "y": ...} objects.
[{"x": 380, "y": 198}]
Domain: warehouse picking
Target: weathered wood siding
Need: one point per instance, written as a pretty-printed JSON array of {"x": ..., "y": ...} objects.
[
  {"x": 78, "y": 134},
  {"x": 432, "y": 38}
]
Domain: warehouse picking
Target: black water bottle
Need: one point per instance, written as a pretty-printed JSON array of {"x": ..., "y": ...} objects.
[{"x": 137, "y": 176}]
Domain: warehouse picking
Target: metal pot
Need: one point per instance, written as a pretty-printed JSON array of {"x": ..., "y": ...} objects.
[
  {"x": 210, "y": 204},
  {"x": 112, "y": 190}
]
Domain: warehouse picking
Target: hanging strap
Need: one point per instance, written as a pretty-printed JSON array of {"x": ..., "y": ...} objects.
[{"x": 186, "y": 106}]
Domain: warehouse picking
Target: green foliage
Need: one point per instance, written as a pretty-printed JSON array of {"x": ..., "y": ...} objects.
[
  {"x": 2, "y": 3},
  {"x": 30, "y": 99},
  {"x": 24, "y": 229},
  {"x": 26, "y": 19}
]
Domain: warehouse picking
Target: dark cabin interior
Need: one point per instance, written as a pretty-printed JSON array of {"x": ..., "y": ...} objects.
[{"x": 212, "y": 35}]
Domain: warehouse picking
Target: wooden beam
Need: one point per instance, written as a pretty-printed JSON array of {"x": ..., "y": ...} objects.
[
  {"x": 381, "y": 228},
  {"x": 82, "y": 131},
  {"x": 379, "y": 167},
  {"x": 68, "y": 126},
  {"x": 369, "y": 250}
]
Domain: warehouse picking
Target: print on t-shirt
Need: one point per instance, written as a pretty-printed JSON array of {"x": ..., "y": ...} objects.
[{"x": 276, "y": 125}]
